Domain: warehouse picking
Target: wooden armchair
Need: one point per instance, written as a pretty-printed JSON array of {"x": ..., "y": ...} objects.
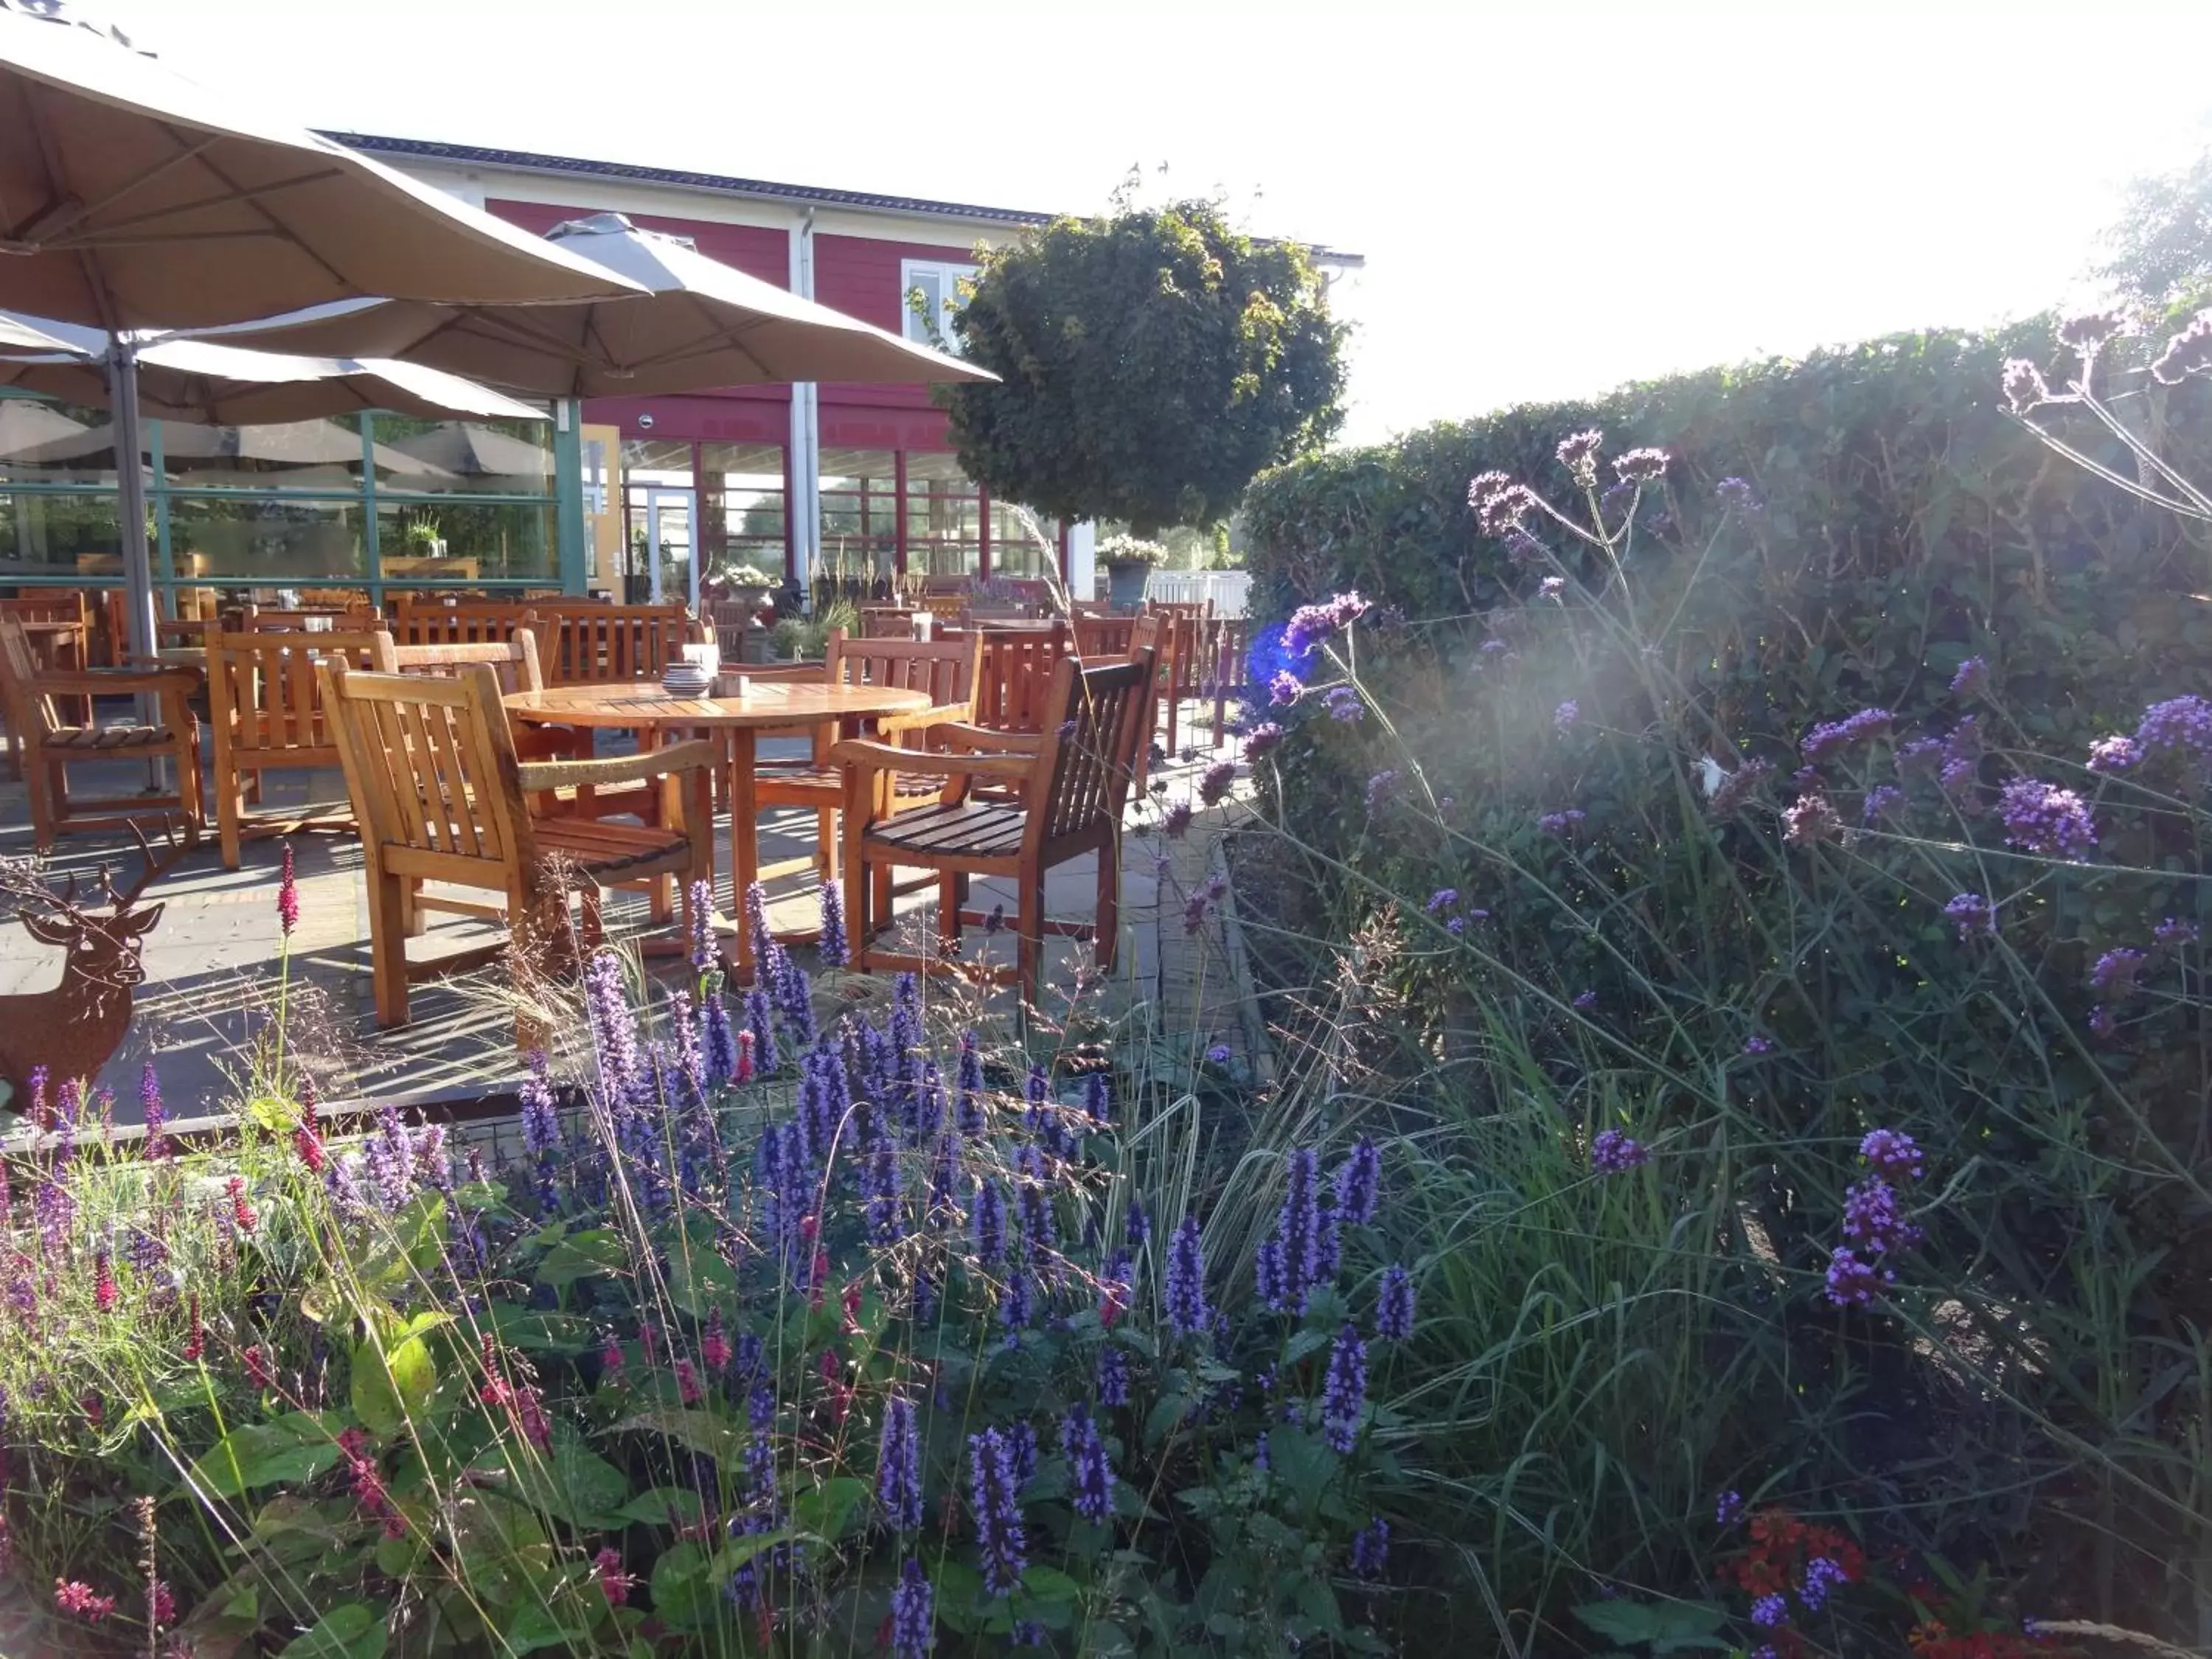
[
  {"x": 440, "y": 796},
  {"x": 944, "y": 669},
  {"x": 519, "y": 665},
  {"x": 49, "y": 648},
  {"x": 28, "y": 688},
  {"x": 1067, "y": 797},
  {"x": 265, "y": 704}
]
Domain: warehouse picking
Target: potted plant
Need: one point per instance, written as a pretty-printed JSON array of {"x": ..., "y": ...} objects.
[{"x": 1128, "y": 560}]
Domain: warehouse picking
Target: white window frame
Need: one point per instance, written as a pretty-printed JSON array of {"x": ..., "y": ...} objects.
[{"x": 948, "y": 277}]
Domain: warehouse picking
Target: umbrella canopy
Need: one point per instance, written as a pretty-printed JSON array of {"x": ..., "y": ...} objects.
[
  {"x": 16, "y": 335},
  {"x": 199, "y": 380},
  {"x": 475, "y": 452},
  {"x": 704, "y": 324},
  {"x": 24, "y": 426},
  {"x": 304, "y": 450},
  {"x": 131, "y": 198}
]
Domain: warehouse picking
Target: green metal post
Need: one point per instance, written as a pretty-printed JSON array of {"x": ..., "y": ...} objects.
[
  {"x": 372, "y": 546},
  {"x": 568, "y": 491}
]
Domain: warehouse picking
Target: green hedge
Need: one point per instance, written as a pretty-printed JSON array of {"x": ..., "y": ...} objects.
[{"x": 1749, "y": 1007}]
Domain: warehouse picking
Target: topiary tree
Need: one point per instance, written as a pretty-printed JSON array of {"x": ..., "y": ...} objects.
[{"x": 1151, "y": 363}]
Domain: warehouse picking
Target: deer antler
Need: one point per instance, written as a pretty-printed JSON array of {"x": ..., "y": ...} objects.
[{"x": 154, "y": 867}]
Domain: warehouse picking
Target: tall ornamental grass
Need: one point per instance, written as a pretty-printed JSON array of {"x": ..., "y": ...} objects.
[{"x": 1804, "y": 1102}]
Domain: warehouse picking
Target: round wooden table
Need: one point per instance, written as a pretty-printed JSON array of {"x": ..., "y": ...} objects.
[{"x": 736, "y": 722}]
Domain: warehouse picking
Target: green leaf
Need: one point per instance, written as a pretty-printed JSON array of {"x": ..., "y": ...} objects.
[
  {"x": 263, "y": 1455},
  {"x": 1050, "y": 1584},
  {"x": 1301, "y": 1462},
  {"x": 352, "y": 1630},
  {"x": 535, "y": 1625},
  {"x": 657, "y": 1507},
  {"x": 695, "y": 1429},
  {"x": 1666, "y": 1626},
  {"x": 573, "y": 1483},
  {"x": 699, "y": 1281},
  {"x": 535, "y": 1330},
  {"x": 686, "y": 1593},
  {"x": 827, "y": 1511},
  {"x": 586, "y": 1255},
  {"x": 391, "y": 1384},
  {"x": 1318, "y": 1602}
]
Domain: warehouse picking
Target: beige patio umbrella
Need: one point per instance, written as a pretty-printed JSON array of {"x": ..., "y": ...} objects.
[
  {"x": 200, "y": 381},
  {"x": 133, "y": 199},
  {"x": 308, "y": 451},
  {"x": 700, "y": 324},
  {"x": 16, "y": 335}
]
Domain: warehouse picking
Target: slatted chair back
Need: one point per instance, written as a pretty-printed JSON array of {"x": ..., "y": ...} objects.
[
  {"x": 514, "y": 660},
  {"x": 1090, "y": 753},
  {"x": 945, "y": 671},
  {"x": 30, "y": 710},
  {"x": 947, "y": 605},
  {"x": 887, "y": 621},
  {"x": 357, "y": 618},
  {"x": 1014, "y": 685},
  {"x": 415, "y": 621},
  {"x": 62, "y": 605},
  {"x": 1101, "y": 638},
  {"x": 1227, "y": 657},
  {"x": 263, "y": 696},
  {"x": 613, "y": 644},
  {"x": 432, "y": 774},
  {"x": 264, "y": 702}
]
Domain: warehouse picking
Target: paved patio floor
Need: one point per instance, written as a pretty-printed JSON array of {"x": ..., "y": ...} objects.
[{"x": 216, "y": 968}]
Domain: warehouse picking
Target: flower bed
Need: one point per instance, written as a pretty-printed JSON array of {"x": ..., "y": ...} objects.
[
  {"x": 1792, "y": 1007},
  {"x": 858, "y": 1336}
]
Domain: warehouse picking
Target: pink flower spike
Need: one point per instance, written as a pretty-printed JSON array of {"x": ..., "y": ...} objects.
[{"x": 288, "y": 897}]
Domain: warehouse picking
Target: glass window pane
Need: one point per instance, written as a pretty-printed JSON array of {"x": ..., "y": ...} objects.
[
  {"x": 500, "y": 458},
  {"x": 859, "y": 514},
  {"x": 458, "y": 542},
  {"x": 943, "y": 517},
  {"x": 43, "y": 442},
  {"x": 60, "y": 534},
  {"x": 296, "y": 455},
  {"x": 1023, "y": 544},
  {"x": 742, "y": 506},
  {"x": 241, "y": 538}
]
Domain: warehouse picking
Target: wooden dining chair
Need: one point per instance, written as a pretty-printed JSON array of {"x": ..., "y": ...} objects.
[
  {"x": 1100, "y": 636},
  {"x": 1065, "y": 799},
  {"x": 944, "y": 670},
  {"x": 68, "y": 651},
  {"x": 350, "y": 619},
  {"x": 613, "y": 644},
  {"x": 1014, "y": 681},
  {"x": 1232, "y": 644},
  {"x": 519, "y": 665},
  {"x": 27, "y": 690},
  {"x": 265, "y": 705},
  {"x": 1185, "y": 624},
  {"x": 441, "y": 797}
]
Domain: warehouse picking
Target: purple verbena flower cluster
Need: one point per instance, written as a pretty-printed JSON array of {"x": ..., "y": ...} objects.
[
  {"x": 1310, "y": 624},
  {"x": 1825, "y": 741},
  {"x": 2042, "y": 817},
  {"x": 1974, "y": 916},
  {"x": 1613, "y": 1153}
]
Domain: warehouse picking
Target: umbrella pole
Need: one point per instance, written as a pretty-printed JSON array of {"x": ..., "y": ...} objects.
[{"x": 130, "y": 507}]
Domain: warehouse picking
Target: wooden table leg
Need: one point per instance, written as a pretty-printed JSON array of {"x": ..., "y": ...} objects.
[{"x": 744, "y": 843}]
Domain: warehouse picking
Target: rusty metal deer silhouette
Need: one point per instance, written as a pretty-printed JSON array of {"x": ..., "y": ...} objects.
[{"x": 73, "y": 1029}]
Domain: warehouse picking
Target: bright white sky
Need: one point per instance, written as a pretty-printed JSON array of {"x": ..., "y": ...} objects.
[{"x": 1549, "y": 202}]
